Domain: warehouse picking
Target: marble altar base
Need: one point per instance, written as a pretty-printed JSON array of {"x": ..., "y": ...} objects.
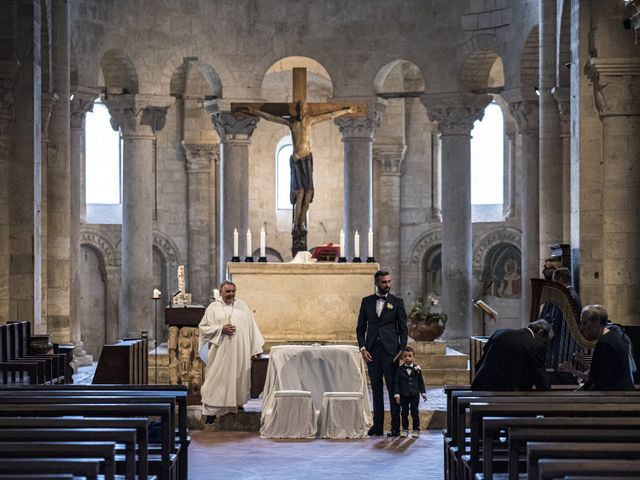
[{"x": 304, "y": 303}]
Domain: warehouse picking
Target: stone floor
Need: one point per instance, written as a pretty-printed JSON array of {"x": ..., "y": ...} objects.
[{"x": 244, "y": 455}]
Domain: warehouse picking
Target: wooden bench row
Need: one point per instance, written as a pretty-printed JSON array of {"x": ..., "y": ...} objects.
[
  {"x": 20, "y": 364},
  {"x": 113, "y": 421},
  {"x": 491, "y": 434}
]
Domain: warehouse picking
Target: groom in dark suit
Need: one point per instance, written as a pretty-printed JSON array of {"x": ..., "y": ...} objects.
[{"x": 382, "y": 335}]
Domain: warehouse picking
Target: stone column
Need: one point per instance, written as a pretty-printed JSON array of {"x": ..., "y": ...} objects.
[
  {"x": 617, "y": 98},
  {"x": 561, "y": 96},
  {"x": 112, "y": 285},
  {"x": 83, "y": 100},
  {"x": 58, "y": 213},
  {"x": 7, "y": 102},
  {"x": 25, "y": 287},
  {"x": 455, "y": 115},
  {"x": 49, "y": 155},
  {"x": 357, "y": 137},
  {"x": 138, "y": 122},
  {"x": 235, "y": 137},
  {"x": 390, "y": 158},
  {"x": 199, "y": 193},
  {"x": 551, "y": 187},
  {"x": 215, "y": 186},
  {"x": 525, "y": 112}
]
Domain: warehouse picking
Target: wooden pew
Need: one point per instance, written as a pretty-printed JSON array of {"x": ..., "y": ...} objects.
[
  {"x": 179, "y": 393},
  {"x": 86, "y": 467},
  {"x": 463, "y": 454},
  {"x": 123, "y": 363},
  {"x": 552, "y": 468},
  {"x": 125, "y": 436},
  {"x": 44, "y": 476},
  {"x": 96, "y": 409},
  {"x": 139, "y": 424},
  {"x": 73, "y": 449},
  {"x": 494, "y": 427},
  {"x": 20, "y": 341},
  {"x": 519, "y": 437},
  {"x": 478, "y": 411},
  {"x": 9, "y": 366},
  {"x": 577, "y": 450}
]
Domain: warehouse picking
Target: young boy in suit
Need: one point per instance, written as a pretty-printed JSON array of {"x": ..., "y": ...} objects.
[{"x": 408, "y": 388}]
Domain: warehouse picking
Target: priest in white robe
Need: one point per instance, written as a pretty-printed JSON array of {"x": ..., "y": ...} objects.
[{"x": 229, "y": 337}]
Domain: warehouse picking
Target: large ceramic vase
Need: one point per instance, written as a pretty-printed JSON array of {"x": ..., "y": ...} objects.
[{"x": 426, "y": 328}]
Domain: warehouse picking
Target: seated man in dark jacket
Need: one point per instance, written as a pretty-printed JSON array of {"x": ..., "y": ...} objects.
[
  {"x": 514, "y": 359},
  {"x": 610, "y": 368}
]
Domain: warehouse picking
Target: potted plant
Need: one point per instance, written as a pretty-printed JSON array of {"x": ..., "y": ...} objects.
[{"x": 425, "y": 324}]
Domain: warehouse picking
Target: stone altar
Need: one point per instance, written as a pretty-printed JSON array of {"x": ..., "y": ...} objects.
[{"x": 308, "y": 302}]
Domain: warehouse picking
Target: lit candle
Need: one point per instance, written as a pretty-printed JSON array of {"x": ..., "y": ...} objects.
[
  {"x": 249, "y": 249},
  {"x": 356, "y": 245},
  {"x": 216, "y": 294},
  {"x": 342, "y": 243},
  {"x": 263, "y": 241},
  {"x": 156, "y": 293},
  {"x": 235, "y": 242},
  {"x": 370, "y": 244}
]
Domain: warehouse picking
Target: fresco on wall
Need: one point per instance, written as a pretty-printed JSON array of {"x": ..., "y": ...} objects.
[
  {"x": 505, "y": 280},
  {"x": 433, "y": 274}
]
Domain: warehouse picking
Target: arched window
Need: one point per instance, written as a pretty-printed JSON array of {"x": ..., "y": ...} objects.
[
  {"x": 487, "y": 166},
  {"x": 284, "y": 150},
  {"x": 103, "y": 167}
]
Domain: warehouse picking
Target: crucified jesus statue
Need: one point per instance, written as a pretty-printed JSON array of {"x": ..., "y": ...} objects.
[{"x": 299, "y": 116}]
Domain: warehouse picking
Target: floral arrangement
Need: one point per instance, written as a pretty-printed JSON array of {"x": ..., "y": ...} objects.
[{"x": 423, "y": 312}]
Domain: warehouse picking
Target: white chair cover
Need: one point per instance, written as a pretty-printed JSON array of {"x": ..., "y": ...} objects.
[
  {"x": 292, "y": 416},
  {"x": 342, "y": 416}
]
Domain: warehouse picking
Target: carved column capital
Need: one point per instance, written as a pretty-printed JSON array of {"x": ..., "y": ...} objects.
[
  {"x": 229, "y": 127},
  {"x": 48, "y": 105},
  {"x": 136, "y": 115},
  {"x": 391, "y": 157},
  {"x": 82, "y": 102},
  {"x": 526, "y": 114},
  {"x": 563, "y": 102},
  {"x": 455, "y": 113},
  {"x": 361, "y": 128},
  {"x": 616, "y": 85},
  {"x": 112, "y": 276},
  {"x": 199, "y": 156}
]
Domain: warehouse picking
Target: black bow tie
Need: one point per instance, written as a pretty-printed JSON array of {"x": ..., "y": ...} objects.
[{"x": 381, "y": 298}]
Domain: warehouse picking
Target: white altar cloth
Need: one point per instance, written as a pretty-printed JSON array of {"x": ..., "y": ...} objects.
[{"x": 317, "y": 369}]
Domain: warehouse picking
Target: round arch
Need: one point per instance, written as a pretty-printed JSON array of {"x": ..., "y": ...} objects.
[{"x": 119, "y": 72}]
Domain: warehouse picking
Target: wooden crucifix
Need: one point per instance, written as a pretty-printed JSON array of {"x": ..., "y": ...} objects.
[{"x": 299, "y": 116}]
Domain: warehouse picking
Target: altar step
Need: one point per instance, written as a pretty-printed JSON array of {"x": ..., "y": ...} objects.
[{"x": 441, "y": 365}]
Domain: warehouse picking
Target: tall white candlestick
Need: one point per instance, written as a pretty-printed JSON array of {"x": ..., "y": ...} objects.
[
  {"x": 249, "y": 249},
  {"x": 235, "y": 242},
  {"x": 370, "y": 244},
  {"x": 356, "y": 245},
  {"x": 342, "y": 243},
  {"x": 263, "y": 241}
]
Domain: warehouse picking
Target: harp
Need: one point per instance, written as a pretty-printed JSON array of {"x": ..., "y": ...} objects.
[{"x": 554, "y": 302}]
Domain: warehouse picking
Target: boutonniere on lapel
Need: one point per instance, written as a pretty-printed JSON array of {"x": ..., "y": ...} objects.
[
  {"x": 389, "y": 306},
  {"x": 416, "y": 368}
]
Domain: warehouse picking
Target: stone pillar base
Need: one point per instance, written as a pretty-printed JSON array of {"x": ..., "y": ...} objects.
[{"x": 80, "y": 357}]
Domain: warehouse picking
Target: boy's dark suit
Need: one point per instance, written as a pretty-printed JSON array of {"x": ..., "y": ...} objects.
[
  {"x": 383, "y": 338},
  {"x": 409, "y": 385}
]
